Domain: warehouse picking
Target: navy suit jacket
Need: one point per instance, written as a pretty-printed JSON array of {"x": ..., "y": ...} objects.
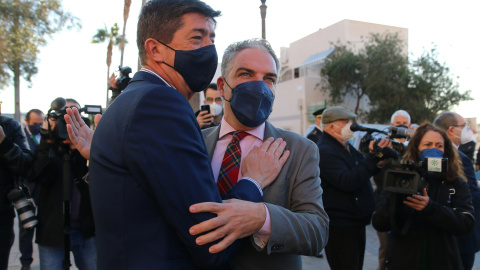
[
  {"x": 148, "y": 165},
  {"x": 470, "y": 243}
]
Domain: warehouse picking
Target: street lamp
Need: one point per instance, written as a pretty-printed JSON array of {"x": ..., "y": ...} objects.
[{"x": 263, "y": 13}]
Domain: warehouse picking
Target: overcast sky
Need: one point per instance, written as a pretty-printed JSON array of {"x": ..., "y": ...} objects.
[{"x": 72, "y": 67}]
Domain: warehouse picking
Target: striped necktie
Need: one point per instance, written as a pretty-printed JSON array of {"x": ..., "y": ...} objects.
[{"x": 228, "y": 176}]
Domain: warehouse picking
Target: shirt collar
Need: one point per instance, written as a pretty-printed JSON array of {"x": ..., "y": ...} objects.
[
  {"x": 156, "y": 74},
  {"x": 226, "y": 128}
]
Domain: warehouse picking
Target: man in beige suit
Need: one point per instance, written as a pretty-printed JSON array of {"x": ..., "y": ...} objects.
[{"x": 296, "y": 222}]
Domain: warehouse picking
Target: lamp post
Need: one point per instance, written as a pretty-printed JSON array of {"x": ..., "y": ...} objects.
[{"x": 263, "y": 13}]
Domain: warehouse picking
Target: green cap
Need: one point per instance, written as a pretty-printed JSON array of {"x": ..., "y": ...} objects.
[{"x": 336, "y": 113}]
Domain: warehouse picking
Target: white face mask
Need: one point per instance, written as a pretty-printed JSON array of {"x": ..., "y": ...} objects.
[
  {"x": 346, "y": 132},
  {"x": 217, "y": 109},
  {"x": 466, "y": 135}
]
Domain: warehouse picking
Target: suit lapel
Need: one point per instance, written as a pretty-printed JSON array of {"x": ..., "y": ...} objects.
[
  {"x": 270, "y": 131},
  {"x": 211, "y": 138}
]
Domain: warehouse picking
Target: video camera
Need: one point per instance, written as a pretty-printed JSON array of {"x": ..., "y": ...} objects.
[
  {"x": 407, "y": 177},
  {"x": 57, "y": 112},
  {"x": 122, "y": 82},
  {"x": 392, "y": 133},
  {"x": 124, "y": 78}
]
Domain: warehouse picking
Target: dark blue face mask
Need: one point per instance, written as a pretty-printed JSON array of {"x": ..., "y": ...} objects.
[
  {"x": 34, "y": 129},
  {"x": 197, "y": 67},
  {"x": 251, "y": 102},
  {"x": 430, "y": 153}
]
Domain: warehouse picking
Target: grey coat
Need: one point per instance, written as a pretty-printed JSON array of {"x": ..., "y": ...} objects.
[{"x": 299, "y": 224}]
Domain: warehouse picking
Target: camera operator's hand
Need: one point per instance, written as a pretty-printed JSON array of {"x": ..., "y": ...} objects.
[
  {"x": 113, "y": 81},
  {"x": 2, "y": 134},
  {"x": 204, "y": 118},
  {"x": 418, "y": 202},
  {"x": 385, "y": 142},
  {"x": 264, "y": 163},
  {"x": 50, "y": 121},
  {"x": 79, "y": 133}
]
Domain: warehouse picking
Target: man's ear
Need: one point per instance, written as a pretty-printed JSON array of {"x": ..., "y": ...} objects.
[
  {"x": 221, "y": 86},
  {"x": 153, "y": 50},
  {"x": 450, "y": 130}
]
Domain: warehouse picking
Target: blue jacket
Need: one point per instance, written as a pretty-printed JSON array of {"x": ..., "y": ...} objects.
[{"x": 148, "y": 165}]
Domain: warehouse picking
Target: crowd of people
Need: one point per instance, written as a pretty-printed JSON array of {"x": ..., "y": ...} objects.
[{"x": 223, "y": 188}]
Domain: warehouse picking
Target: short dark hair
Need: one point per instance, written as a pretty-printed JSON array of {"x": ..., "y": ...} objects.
[
  {"x": 210, "y": 86},
  {"x": 37, "y": 111},
  {"x": 160, "y": 19},
  {"x": 73, "y": 101}
]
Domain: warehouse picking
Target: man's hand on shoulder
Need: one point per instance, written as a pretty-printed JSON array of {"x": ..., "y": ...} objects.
[
  {"x": 264, "y": 163},
  {"x": 235, "y": 219}
]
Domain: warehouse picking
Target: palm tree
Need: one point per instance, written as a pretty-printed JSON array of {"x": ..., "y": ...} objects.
[
  {"x": 113, "y": 38},
  {"x": 126, "y": 11}
]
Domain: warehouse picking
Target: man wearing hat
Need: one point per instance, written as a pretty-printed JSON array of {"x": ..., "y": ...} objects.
[
  {"x": 316, "y": 133},
  {"x": 348, "y": 195}
]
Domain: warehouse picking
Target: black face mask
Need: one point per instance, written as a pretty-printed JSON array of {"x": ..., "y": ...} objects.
[
  {"x": 402, "y": 126},
  {"x": 197, "y": 67}
]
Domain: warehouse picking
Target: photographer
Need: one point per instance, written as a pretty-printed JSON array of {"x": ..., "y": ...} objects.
[
  {"x": 48, "y": 171},
  {"x": 15, "y": 160},
  {"x": 422, "y": 227}
]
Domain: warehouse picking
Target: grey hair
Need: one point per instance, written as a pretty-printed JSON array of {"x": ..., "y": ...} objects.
[
  {"x": 445, "y": 120},
  {"x": 402, "y": 113},
  {"x": 237, "y": 47}
]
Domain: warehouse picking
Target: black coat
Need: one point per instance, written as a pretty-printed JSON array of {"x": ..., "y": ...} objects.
[
  {"x": 444, "y": 217},
  {"x": 15, "y": 160},
  {"x": 48, "y": 172},
  {"x": 315, "y": 135},
  {"x": 347, "y": 192},
  {"x": 470, "y": 243}
]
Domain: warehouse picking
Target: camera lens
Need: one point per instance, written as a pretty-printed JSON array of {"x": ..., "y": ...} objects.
[
  {"x": 24, "y": 206},
  {"x": 405, "y": 183}
]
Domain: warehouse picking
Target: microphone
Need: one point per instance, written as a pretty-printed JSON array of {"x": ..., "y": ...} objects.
[
  {"x": 399, "y": 132},
  {"x": 356, "y": 127}
]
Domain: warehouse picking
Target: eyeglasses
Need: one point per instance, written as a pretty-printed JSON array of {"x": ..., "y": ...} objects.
[
  {"x": 462, "y": 126},
  {"x": 218, "y": 100}
]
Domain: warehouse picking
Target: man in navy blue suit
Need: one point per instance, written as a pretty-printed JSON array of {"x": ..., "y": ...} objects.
[
  {"x": 148, "y": 161},
  {"x": 459, "y": 132}
]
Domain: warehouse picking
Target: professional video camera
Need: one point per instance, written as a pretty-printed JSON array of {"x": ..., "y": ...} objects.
[
  {"x": 57, "y": 112},
  {"x": 122, "y": 82},
  {"x": 124, "y": 78},
  {"x": 407, "y": 177},
  {"x": 392, "y": 133}
]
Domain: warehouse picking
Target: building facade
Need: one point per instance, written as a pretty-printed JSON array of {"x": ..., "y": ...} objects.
[{"x": 298, "y": 92}]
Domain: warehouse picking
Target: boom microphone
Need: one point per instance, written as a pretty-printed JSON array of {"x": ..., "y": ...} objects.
[
  {"x": 399, "y": 132},
  {"x": 356, "y": 127}
]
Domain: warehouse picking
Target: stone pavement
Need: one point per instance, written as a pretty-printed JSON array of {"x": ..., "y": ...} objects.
[{"x": 309, "y": 263}]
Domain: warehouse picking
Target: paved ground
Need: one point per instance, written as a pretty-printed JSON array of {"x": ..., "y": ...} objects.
[{"x": 309, "y": 263}]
